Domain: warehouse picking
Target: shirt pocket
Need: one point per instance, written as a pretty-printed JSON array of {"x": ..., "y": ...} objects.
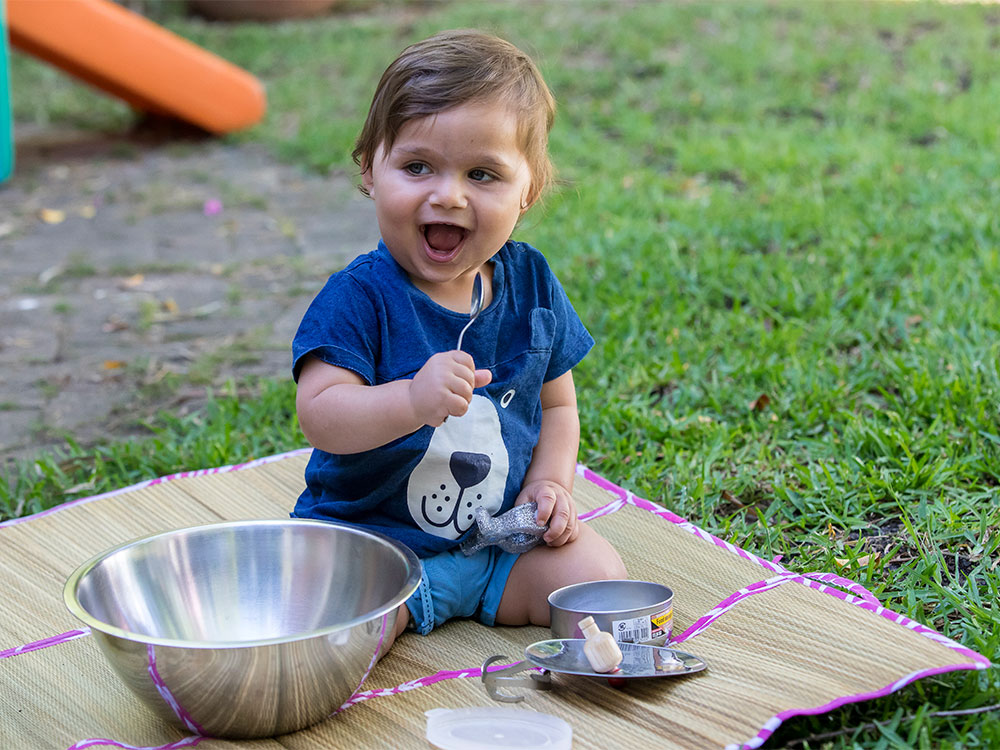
[
  {"x": 518, "y": 381},
  {"x": 542, "y": 330}
]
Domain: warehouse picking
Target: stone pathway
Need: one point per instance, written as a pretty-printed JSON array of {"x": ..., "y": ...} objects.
[{"x": 127, "y": 265}]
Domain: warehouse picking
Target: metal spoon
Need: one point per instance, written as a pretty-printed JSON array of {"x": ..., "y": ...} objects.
[{"x": 475, "y": 307}]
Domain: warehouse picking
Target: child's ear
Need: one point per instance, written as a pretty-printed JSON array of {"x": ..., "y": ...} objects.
[
  {"x": 528, "y": 199},
  {"x": 366, "y": 179}
]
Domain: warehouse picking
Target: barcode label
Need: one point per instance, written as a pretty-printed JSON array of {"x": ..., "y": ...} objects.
[{"x": 636, "y": 630}]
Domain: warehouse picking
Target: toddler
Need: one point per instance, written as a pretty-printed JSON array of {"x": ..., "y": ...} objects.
[{"x": 412, "y": 435}]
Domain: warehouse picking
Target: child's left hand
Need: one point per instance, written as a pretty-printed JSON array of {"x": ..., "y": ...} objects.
[{"x": 556, "y": 508}]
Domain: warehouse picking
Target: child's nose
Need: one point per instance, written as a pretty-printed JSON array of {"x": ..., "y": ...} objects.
[{"x": 448, "y": 192}]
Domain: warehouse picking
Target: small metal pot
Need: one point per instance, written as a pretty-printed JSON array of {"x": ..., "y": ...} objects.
[{"x": 632, "y": 611}]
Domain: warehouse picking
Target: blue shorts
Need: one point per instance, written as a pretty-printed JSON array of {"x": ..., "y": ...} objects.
[{"x": 453, "y": 585}]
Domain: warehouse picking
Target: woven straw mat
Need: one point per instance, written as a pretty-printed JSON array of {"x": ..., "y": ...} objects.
[{"x": 777, "y": 644}]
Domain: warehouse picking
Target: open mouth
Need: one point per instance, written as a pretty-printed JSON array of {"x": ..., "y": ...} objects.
[{"x": 444, "y": 239}]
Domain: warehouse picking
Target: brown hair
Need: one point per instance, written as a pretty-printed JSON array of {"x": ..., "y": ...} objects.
[{"x": 454, "y": 68}]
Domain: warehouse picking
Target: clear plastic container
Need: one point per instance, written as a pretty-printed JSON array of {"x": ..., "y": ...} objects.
[{"x": 495, "y": 728}]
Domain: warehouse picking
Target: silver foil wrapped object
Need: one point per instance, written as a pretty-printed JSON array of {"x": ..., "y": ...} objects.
[{"x": 514, "y": 531}]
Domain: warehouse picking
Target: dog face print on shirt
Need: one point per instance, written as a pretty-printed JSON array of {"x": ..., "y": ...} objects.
[{"x": 465, "y": 467}]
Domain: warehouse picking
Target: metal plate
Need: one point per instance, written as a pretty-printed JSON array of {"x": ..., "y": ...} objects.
[{"x": 566, "y": 656}]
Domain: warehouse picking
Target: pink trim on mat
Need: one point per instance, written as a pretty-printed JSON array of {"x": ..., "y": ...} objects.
[
  {"x": 96, "y": 742},
  {"x": 419, "y": 682},
  {"x": 52, "y": 640},
  {"x": 702, "y": 623},
  {"x": 628, "y": 498},
  {"x": 168, "y": 697},
  {"x": 445, "y": 674},
  {"x": 605, "y": 510},
  {"x": 157, "y": 480},
  {"x": 772, "y": 724},
  {"x": 371, "y": 665}
]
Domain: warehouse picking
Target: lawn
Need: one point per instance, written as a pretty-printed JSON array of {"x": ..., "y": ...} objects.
[{"x": 781, "y": 223}]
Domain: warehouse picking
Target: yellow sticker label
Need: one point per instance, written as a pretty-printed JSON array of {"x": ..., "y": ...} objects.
[{"x": 662, "y": 618}]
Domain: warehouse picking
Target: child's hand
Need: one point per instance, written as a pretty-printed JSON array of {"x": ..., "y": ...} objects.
[
  {"x": 443, "y": 387},
  {"x": 556, "y": 508}
]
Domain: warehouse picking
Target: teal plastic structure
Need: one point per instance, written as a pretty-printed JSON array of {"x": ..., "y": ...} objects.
[{"x": 6, "y": 123}]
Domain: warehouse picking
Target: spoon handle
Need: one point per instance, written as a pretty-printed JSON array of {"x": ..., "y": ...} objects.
[
  {"x": 462, "y": 334},
  {"x": 474, "y": 307}
]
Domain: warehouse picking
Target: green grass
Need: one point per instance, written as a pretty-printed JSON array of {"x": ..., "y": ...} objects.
[
  {"x": 256, "y": 419},
  {"x": 793, "y": 200}
]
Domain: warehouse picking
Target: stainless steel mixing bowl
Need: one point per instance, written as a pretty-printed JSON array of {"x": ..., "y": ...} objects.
[{"x": 247, "y": 628}]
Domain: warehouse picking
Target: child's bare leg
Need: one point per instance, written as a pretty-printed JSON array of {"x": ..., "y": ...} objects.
[
  {"x": 542, "y": 570},
  {"x": 402, "y": 620}
]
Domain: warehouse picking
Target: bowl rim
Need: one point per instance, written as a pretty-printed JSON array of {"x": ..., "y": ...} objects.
[
  {"x": 77, "y": 610},
  {"x": 583, "y": 584}
]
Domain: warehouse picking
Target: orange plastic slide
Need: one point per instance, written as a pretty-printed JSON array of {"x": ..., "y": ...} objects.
[{"x": 137, "y": 60}]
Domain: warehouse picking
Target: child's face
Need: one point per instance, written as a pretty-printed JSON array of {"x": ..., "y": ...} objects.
[{"x": 448, "y": 194}]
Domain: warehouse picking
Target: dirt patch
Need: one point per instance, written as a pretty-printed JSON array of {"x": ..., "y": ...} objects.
[{"x": 134, "y": 271}]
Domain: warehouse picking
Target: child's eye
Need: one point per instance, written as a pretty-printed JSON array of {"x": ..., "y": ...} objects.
[
  {"x": 480, "y": 175},
  {"x": 416, "y": 168}
]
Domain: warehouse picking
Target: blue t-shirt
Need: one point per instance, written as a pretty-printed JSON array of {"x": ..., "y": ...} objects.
[{"x": 423, "y": 488}]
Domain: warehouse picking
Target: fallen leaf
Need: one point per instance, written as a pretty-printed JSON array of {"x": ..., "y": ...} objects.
[
  {"x": 859, "y": 562},
  {"x": 82, "y": 487},
  {"x": 729, "y": 497},
  {"x": 52, "y": 215},
  {"x": 113, "y": 364},
  {"x": 50, "y": 273},
  {"x": 171, "y": 306},
  {"x": 759, "y": 403},
  {"x": 132, "y": 281}
]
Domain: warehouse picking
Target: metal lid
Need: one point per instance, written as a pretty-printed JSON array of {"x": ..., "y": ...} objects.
[{"x": 494, "y": 728}]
